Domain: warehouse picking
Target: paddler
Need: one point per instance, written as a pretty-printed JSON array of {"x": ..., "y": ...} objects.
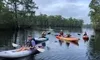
[
  {"x": 68, "y": 35},
  {"x": 43, "y": 35},
  {"x": 29, "y": 45},
  {"x": 85, "y": 34},
  {"x": 61, "y": 33}
]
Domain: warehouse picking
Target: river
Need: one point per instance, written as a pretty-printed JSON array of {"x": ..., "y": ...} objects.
[{"x": 54, "y": 50}]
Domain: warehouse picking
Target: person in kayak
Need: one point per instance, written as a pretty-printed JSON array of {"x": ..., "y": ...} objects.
[
  {"x": 43, "y": 35},
  {"x": 61, "y": 33},
  {"x": 85, "y": 34},
  {"x": 30, "y": 44},
  {"x": 68, "y": 35}
]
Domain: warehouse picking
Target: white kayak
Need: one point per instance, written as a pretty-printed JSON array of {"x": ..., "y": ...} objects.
[
  {"x": 15, "y": 54},
  {"x": 41, "y": 39}
]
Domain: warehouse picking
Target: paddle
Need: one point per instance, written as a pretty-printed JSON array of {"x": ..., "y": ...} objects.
[
  {"x": 49, "y": 32},
  {"x": 39, "y": 49},
  {"x": 15, "y": 45}
]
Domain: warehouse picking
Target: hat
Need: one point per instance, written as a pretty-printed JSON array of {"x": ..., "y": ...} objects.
[{"x": 43, "y": 32}]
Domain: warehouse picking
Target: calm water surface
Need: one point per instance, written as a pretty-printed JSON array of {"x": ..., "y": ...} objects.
[{"x": 89, "y": 50}]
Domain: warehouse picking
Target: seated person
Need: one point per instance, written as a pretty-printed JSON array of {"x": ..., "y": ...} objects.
[
  {"x": 29, "y": 45},
  {"x": 85, "y": 34},
  {"x": 68, "y": 35},
  {"x": 61, "y": 33},
  {"x": 43, "y": 34}
]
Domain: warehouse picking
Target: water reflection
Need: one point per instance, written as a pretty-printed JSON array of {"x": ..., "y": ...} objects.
[
  {"x": 67, "y": 44},
  {"x": 92, "y": 37},
  {"x": 94, "y": 48},
  {"x": 90, "y": 52},
  {"x": 30, "y": 57},
  {"x": 60, "y": 42},
  {"x": 6, "y": 39}
]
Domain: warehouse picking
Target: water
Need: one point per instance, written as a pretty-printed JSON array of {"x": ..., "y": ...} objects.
[{"x": 54, "y": 50}]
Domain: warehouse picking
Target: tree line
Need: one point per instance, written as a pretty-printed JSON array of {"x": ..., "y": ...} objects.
[
  {"x": 16, "y": 14},
  {"x": 57, "y": 21}
]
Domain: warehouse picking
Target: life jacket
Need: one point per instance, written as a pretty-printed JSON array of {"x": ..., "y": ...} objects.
[
  {"x": 61, "y": 33},
  {"x": 85, "y": 34},
  {"x": 29, "y": 42}
]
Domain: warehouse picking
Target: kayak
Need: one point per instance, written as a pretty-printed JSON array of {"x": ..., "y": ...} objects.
[
  {"x": 41, "y": 39},
  {"x": 85, "y": 37},
  {"x": 69, "y": 40},
  {"x": 15, "y": 54}
]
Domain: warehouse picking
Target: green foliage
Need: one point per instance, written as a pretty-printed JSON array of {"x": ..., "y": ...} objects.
[
  {"x": 57, "y": 21},
  {"x": 95, "y": 13}
]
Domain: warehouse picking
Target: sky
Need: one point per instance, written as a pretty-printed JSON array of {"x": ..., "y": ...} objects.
[{"x": 67, "y": 8}]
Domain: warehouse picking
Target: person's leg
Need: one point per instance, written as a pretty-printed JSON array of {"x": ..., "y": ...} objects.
[
  {"x": 20, "y": 49},
  {"x": 23, "y": 49}
]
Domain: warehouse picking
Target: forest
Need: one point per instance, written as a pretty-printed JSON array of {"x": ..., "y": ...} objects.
[{"x": 15, "y": 14}]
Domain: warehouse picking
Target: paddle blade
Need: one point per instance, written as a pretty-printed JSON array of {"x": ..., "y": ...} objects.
[
  {"x": 15, "y": 45},
  {"x": 49, "y": 33},
  {"x": 40, "y": 49}
]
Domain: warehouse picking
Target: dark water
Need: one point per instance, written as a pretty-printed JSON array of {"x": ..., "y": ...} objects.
[{"x": 89, "y": 50}]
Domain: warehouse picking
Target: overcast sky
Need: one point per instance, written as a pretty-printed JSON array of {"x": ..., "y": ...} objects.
[{"x": 66, "y": 8}]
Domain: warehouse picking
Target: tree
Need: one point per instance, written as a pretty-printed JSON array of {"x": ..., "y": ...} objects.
[
  {"x": 14, "y": 7},
  {"x": 29, "y": 7},
  {"x": 95, "y": 13}
]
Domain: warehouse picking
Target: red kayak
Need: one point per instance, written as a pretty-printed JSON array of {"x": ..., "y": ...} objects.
[{"x": 85, "y": 38}]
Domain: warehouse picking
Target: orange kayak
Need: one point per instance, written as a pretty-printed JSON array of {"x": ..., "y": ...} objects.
[{"x": 68, "y": 40}]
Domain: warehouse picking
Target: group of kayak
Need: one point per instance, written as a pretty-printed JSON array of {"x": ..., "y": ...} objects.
[
  {"x": 69, "y": 39},
  {"x": 32, "y": 46}
]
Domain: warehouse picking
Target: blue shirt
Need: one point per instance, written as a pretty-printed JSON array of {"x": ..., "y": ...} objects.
[{"x": 33, "y": 43}]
